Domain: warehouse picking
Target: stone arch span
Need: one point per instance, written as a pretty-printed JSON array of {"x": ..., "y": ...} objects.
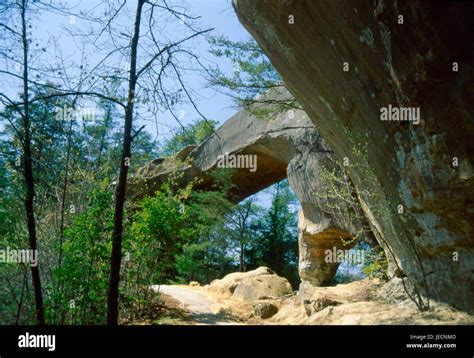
[{"x": 285, "y": 146}]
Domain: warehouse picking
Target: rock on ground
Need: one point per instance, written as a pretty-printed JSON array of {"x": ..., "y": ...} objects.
[
  {"x": 361, "y": 303},
  {"x": 250, "y": 286}
]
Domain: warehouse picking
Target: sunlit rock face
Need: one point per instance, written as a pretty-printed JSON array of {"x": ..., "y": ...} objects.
[
  {"x": 314, "y": 243},
  {"x": 329, "y": 217},
  {"x": 346, "y": 62},
  {"x": 285, "y": 145}
]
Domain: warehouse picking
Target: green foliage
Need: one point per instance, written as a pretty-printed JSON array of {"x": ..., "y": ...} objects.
[
  {"x": 250, "y": 65},
  {"x": 252, "y": 76},
  {"x": 241, "y": 229},
  {"x": 76, "y": 156},
  {"x": 205, "y": 257},
  {"x": 191, "y": 134},
  {"x": 230, "y": 237},
  {"x": 83, "y": 273},
  {"x": 160, "y": 228},
  {"x": 15, "y": 304},
  {"x": 339, "y": 189},
  {"x": 376, "y": 264},
  {"x": 276, "y": 245},
  {"x": 177, "y": 235}
]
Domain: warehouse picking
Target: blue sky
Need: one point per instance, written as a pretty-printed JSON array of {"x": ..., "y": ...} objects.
[
  {"x": 220, "y": 15},
  {"x": 217, "y": 14}
]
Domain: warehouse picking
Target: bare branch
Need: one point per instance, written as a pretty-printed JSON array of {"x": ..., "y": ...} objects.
[
  {"x": 110, "y": 20},
  {"x": 137, "y": 132},
  {"x": 168, "y": 47},
  {"x": 10, "y": 29},
  {"x": 192, "y": 101},
  {"x": 78, "y": 93}
]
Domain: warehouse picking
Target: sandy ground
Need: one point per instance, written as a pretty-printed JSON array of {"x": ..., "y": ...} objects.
[
  {"x": 200, "y": 307},
  {"x": 356, "y": 303}
]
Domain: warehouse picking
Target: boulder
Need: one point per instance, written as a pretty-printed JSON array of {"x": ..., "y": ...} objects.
[
  {"x": 250, "y": 286},
  {"x": 225, "y": 287},
  {"x": 261, "y": 287}
]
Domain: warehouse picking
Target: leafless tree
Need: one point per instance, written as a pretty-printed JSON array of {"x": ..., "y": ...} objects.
[
  {"x": 14, "y": 13},
  {"x": 149, "y": 61}
]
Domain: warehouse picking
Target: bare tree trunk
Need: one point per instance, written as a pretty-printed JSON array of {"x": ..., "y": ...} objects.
[
  {"x": 28, "y": 173},
  {"x": 116, "y": 258}
]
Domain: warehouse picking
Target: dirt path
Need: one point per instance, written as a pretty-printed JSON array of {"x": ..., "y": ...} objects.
[{"x": 199, "y": 306}]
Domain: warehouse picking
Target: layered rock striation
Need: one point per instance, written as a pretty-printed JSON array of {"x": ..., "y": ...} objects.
[{"x": 347, "y": 63}]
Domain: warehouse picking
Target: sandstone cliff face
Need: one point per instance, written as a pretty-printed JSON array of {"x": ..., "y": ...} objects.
[
  {"x": 287, "y": 145},
  {"x": 414, "y": 182}
]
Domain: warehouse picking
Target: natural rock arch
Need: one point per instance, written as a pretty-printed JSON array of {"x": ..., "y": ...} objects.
[
  {"x": 287, "y": 145},
  {"x": 412, "y": 166}
]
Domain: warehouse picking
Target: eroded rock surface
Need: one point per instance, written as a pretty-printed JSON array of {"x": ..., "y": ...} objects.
[
  {"x": 362, "y": 302},
  {"x": 414, "y": 181}
]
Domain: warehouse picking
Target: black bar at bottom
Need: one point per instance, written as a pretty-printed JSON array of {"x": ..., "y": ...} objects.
[{"x": 424, "y": 340}]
